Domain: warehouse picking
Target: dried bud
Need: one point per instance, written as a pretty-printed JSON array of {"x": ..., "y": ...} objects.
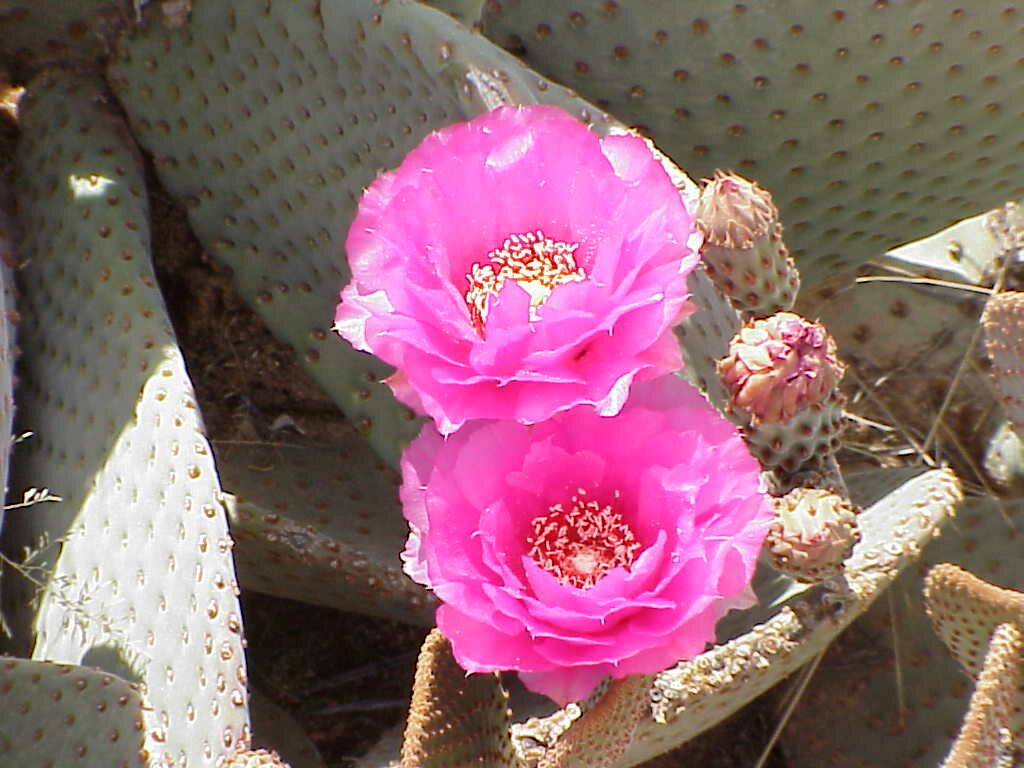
[
  {"x": 779, "y": 366},
  {"x": 813, "y": 534}
]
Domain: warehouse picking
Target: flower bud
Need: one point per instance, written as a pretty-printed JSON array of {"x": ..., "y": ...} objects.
[
  {"x": 813, "y": 533},
  {"x": 779, "y": 366},
  {"x": 743, "y": 250}
]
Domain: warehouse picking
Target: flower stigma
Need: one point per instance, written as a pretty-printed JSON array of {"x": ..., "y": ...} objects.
[
  {"x": 579, "y": 546},
  {"x": 534, "y": 261}
]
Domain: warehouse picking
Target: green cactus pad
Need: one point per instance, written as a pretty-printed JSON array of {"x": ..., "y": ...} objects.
[
  {"x": 901, "y": 661},
  {"x": 68, "y": 716},
  {"x": 705, "y": 335},
  {"x": 871, "y": 124},
  {"x": 270, "y": 119},
  {"x": 900, "y": 327},
  {"x": 139, "y": 573},
  {"x": 455, "y": 719},
  {"x": 35, "y": 34},
  {"x": 321, "y": 524}
]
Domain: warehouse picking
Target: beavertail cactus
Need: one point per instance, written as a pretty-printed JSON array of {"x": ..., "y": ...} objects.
[
  {"x": 981, "y": 624},
  {"x": 987, "y": 739},
  {"x": 266, "y": 120},
  {"x": 139, "y": 576},
  {"x": 872, "y": 123},
  {"x": 455, "y": 718},
  {"x": 743, "y": 250},
  {"x": 965, "y": 610},
  {"x": 813, "y": 534},
  {"x": 781, "y": 376}
]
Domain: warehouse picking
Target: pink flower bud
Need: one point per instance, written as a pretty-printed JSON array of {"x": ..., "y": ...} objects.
[{"x": 779, "y": 366}]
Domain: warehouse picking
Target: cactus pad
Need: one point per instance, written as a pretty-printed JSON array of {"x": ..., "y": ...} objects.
[
  {"x": 455, "y": 719},
  {"x": 142, "y": 580},
  {"x": 35, "y": 34},
  {"x": 901, "y": 123},
  {"x": 1004, "y": 342},
  {"x": 600, "y": 737},
  {"x": 63, "y": 715},
  {"x": 988, "y": 738},
  {"x": 321, "y": 524},
  {"x": 258, "y": 758},
  {"x": 966, "y": 610},
  {"x": 904, "y": 700},
  {"x": 8, "y": 318}
]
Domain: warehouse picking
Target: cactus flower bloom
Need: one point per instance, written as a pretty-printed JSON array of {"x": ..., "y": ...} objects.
[
  {"x": 585, "y": 546},
  {"x": 518, "y": 265},
  {"x": 779, "y": 366}
]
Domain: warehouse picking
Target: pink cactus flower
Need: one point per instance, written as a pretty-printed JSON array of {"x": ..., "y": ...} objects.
[
  {"x": 585, "y": 546},
  {"x": 518, "y": 265}
]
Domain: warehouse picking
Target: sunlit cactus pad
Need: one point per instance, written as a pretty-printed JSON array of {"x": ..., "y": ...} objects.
[
  {"x": 871, "y": 124},
  {"x": 455, "y": 718},
  {"x": 142, "y": 578},
  {"x": 1004, "y": 342}
]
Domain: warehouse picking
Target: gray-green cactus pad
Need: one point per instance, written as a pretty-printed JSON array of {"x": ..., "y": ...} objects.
[
  {"x": 57, "y": 31},
  {"x": 705, "y": 336},
  {"x": 871, "y": 123},
  {"x": 269, "y": 119},
  {"x": 68, "y": 716},
  {"x": 321, "y": 524},
  {"x": 140, "y": 578}
]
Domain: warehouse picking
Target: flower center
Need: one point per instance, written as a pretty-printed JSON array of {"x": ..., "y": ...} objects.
[
  {"x": 536, "y": 262},
  {"x": 580, "y": 545}
]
